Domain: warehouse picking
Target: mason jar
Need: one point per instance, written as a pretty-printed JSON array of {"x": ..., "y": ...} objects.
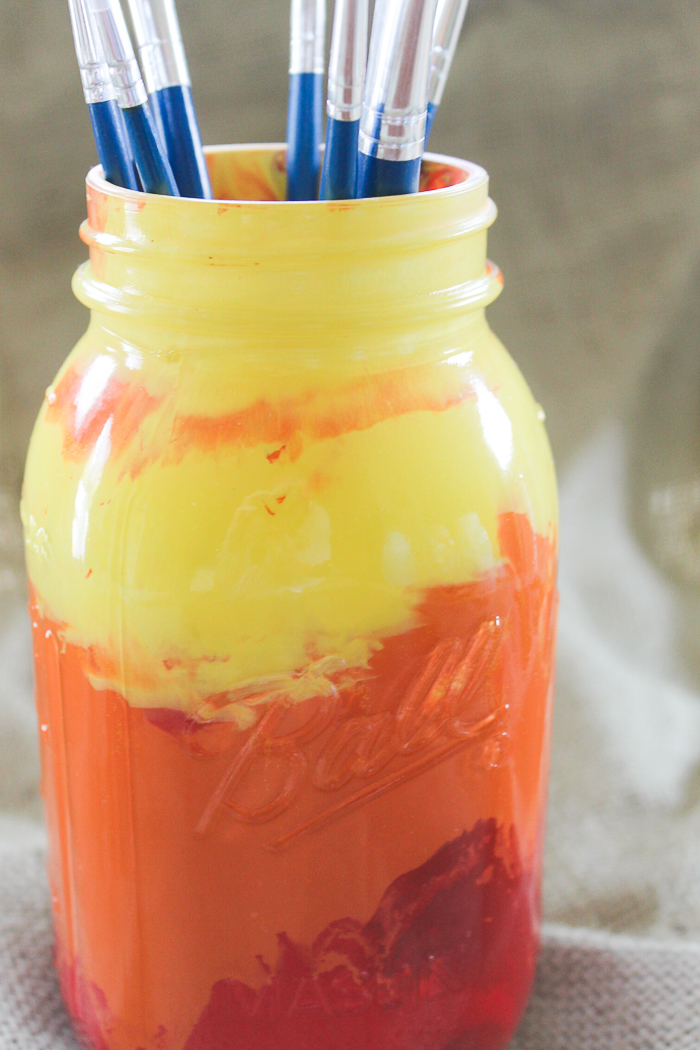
[{"x": 291, "y": 536}]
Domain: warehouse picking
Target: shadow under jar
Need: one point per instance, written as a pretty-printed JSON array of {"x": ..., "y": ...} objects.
[{"x": 290, "y": 520}]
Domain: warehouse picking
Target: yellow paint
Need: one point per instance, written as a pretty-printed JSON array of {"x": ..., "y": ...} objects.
[{"x": 202, "y": 566}]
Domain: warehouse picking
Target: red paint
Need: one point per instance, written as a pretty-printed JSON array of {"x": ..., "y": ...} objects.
[
  {"x": 436, "y": 176},
  {"x": 446, "y": 960},
  {"x": 376, "y": 848},
  {"x": 86, "y": 1004}
]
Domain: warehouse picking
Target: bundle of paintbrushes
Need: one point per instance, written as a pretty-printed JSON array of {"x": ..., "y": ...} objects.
[{"x": 379, "y": 107}]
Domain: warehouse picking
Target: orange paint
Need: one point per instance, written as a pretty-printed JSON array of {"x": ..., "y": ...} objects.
[
  {"x": 133, "y": 206},
  {"x": 322, "y": 415},
  {"x": 435, "y": 176},
  {"x": 98, "y": 262},
  {"x": 97, "y": 209},
  {"x": 126, "y": 404},
  {"x": 318, "y": 415},
  {"x": 324, "y": 832},
  {"x": 224, "y": 888},
  {"x": 253, "y": 179}
]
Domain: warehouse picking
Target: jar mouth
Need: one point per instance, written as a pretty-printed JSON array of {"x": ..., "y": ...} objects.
[
  {"x": 250, "y": 255},
  {"x": 255, "y": 173}
]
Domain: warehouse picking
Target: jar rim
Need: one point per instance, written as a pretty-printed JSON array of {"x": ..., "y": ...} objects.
[
  {"x": 473, "y": 176},
  {"x": 234, "y": 261}
]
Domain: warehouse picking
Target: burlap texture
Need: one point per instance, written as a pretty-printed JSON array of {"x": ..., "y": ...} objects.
[
  {"x": 594, "y": 990},
  {"x": 623, "y": 841}
]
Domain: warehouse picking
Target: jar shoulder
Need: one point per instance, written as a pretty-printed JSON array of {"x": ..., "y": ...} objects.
[
  {"x": 202, "y": 489},
  {"x": 163, "y": 407}
]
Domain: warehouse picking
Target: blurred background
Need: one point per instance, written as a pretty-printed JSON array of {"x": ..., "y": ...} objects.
[{"x": 586, "y": 114}]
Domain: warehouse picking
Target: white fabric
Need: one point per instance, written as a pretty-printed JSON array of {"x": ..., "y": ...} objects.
[
  {"x": 623, "y": 844},
  {"x": 620, "y": 967}
]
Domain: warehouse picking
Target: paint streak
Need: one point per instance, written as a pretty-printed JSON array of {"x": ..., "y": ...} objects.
[
  {"x": 259, "y": 176},
  {"x": 318, "y": 415},
  {"x": 447, "y": 959},
  {"x": 436, "y": 176},
  {"x": 388, "y": 940},
  {"x": 98, "y": 262},
  {"x": 252, "y": 176},
  {"x": 86, "y": 1003},
  {"x": 97, "y": 209},
  {"x": 127, "y": 404},
  {"x": 285, "y": 423}
]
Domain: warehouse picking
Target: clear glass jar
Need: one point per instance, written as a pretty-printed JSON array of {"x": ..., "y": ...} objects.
[
  {"x": 290, "y": 520},
  {"x": 664, "y": 473}
]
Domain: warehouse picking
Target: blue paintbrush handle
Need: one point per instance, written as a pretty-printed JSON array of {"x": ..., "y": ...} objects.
[
  {"x": 153, "y": 166},
  {"x": 395, "y": 100},
  {"x": 112, "y": 146},
  {"x": 432, "y": 110},
  {"x": 339, "y": 172},
  {"x": 387, "y": 178},
  {"x": 175, "y": 117},
  {"x": 304, "y": 132}
]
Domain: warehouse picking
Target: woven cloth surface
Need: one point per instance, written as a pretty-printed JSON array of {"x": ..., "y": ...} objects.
[
  {"x": 620, "y": 965},
  {"x": 594, "y": 990}
]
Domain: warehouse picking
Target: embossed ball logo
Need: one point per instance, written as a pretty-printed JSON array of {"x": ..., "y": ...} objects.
[{"x": 335, "y": 750}]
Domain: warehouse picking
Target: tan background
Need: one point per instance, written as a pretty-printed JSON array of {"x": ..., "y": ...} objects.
[{"x": 586, "y": 113}]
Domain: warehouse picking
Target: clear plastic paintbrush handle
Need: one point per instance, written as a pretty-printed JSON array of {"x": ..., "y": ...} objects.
[
  {"x": 346, "y": 67},
  {"x": 94, "y": 72},
  {"x": 395, "y": 100},
  {"x": 448, "y": 23},
  {"x": 308, "y": 36},
  {"x": 108, "y": 20},
  {"x": 160, "y": 44}
]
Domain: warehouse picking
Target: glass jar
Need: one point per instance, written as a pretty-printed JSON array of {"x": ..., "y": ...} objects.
[
  {"x": 290, "y": 522},
  {"x": 663, "y": 483}
]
